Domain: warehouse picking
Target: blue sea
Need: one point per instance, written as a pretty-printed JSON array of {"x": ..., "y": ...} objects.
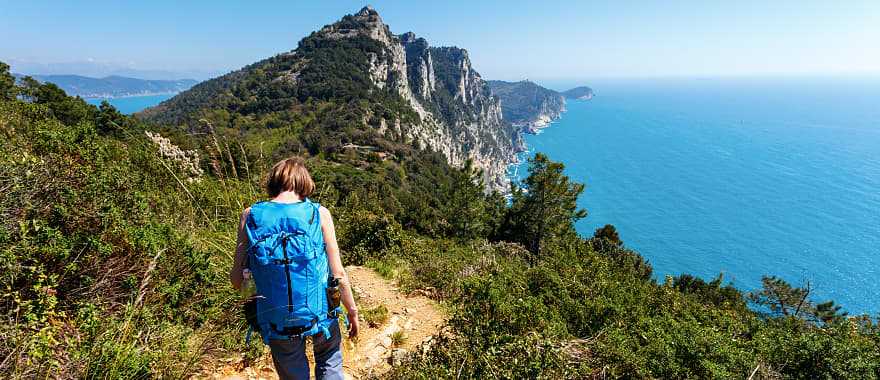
[
  {"x": 131, "y": 104},
  {"x": 745, "y": 177}
]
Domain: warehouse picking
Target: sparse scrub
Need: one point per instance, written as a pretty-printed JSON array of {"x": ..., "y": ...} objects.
[
  {"x": 398, "y": 338},
  {"x": 389, "y": 266},
  {"x": 375, "y": 316}
]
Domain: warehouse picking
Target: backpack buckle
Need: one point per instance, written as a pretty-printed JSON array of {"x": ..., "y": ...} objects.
[{"x": 291, "y": 332}]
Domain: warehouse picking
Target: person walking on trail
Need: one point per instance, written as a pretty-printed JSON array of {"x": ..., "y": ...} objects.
[{"x": 287, "y": 247}]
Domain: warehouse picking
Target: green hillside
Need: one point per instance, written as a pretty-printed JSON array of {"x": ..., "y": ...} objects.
[{"x": 118, "y": 235}]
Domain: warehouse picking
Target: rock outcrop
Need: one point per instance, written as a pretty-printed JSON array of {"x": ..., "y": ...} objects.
[{"x": 458, "y": 116}]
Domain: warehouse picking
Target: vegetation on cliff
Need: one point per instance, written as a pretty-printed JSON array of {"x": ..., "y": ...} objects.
[{"x": 114, "y": 258}]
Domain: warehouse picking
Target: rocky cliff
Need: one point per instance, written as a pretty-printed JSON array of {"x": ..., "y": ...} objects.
[
  {"x": 458, "y": 116},
  {"x": 527, "y": 105},
  {"x": 430, "y": 97}
]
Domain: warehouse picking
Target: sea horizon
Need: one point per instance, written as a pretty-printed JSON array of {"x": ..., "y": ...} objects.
[
  {"x": 745, "y": 176},
  {"x": 597, "y": 82}
]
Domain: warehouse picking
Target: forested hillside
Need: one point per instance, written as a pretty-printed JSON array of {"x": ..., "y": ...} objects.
[{"x": 117, "y": 237}]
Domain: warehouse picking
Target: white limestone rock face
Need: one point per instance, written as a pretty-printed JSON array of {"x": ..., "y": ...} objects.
[{"x": 458, "y": 115}]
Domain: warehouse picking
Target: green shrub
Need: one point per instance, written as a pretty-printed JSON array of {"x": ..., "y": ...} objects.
[{"x": 375, "y": 316}]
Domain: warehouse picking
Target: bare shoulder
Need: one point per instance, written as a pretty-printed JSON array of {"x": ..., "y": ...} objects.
[
  {"x": 326, "y": 218},
  {"x": 325, "y": 213},
  {"x": 245, "y": 214}
]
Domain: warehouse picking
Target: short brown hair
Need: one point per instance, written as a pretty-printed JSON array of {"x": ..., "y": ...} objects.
[{"x": 290, "y": 175}]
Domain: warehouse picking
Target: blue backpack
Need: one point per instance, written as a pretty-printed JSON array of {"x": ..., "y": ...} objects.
[{"x": 289, "y": 266}]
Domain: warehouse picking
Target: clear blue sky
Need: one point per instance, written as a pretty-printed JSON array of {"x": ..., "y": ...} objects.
[{"x": 506, "y": 39}]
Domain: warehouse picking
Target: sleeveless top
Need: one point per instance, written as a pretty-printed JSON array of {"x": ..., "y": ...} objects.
[{"x": 288, "y": 260}]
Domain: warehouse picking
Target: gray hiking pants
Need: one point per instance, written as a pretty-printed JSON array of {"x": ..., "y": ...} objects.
[{"x": 290, "y": 360}]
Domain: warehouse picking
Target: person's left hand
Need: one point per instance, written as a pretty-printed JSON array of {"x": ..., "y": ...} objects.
[{"x": 353, "y": 324}]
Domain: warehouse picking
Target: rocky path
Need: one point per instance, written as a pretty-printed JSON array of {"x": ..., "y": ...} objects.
[{"x": 411, "y": 323}]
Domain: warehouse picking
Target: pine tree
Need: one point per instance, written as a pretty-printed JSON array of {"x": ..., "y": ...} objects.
[
  {"x": 606, "y": 236},
  {"x": 544, "y": 206},
  {"x": 469, "y": 213},
  {"x": 109, "y": 118},
  {"x": 781, "y": 298},
  {"x": 828, "y": 312},
  {"x": 8, "y": 91}
]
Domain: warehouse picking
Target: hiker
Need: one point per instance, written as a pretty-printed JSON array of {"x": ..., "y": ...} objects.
[{"x": 288, "y": 244}]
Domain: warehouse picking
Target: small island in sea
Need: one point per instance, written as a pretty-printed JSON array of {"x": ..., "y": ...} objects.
[{"x": 581, "y": 93}]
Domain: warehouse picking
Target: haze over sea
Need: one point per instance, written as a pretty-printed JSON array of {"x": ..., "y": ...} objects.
[{"x": 746, "y": 177}]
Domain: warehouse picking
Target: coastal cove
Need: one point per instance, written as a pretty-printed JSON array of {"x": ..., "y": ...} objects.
[
  {"x": 131, "y": 104},
  {"x": 745, "y": 177}
]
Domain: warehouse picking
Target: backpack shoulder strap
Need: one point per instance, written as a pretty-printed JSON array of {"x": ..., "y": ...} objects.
[
  {"x": 251, "y": 226},
  {"x": 316, "y": 214}
]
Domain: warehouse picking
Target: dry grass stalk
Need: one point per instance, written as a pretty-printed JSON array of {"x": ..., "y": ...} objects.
[{"x": 147, "y": 276}]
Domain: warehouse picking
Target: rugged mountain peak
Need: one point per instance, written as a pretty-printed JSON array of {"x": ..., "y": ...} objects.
[
  {"x": 459, "y": 116},
  {"x": 366, "y": 22},
  {"x": 399, "y": 87},
  {"x": 369, "y": 16},
  {"x": 367, "y": 11}
]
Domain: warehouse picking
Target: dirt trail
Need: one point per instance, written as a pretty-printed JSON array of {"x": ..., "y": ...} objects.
[{"x": 415, "y": 318}]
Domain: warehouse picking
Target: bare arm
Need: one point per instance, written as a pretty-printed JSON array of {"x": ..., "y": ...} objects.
[
  {"x": 241, "y": 246},
  {"x": 335, "y": 260}
]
